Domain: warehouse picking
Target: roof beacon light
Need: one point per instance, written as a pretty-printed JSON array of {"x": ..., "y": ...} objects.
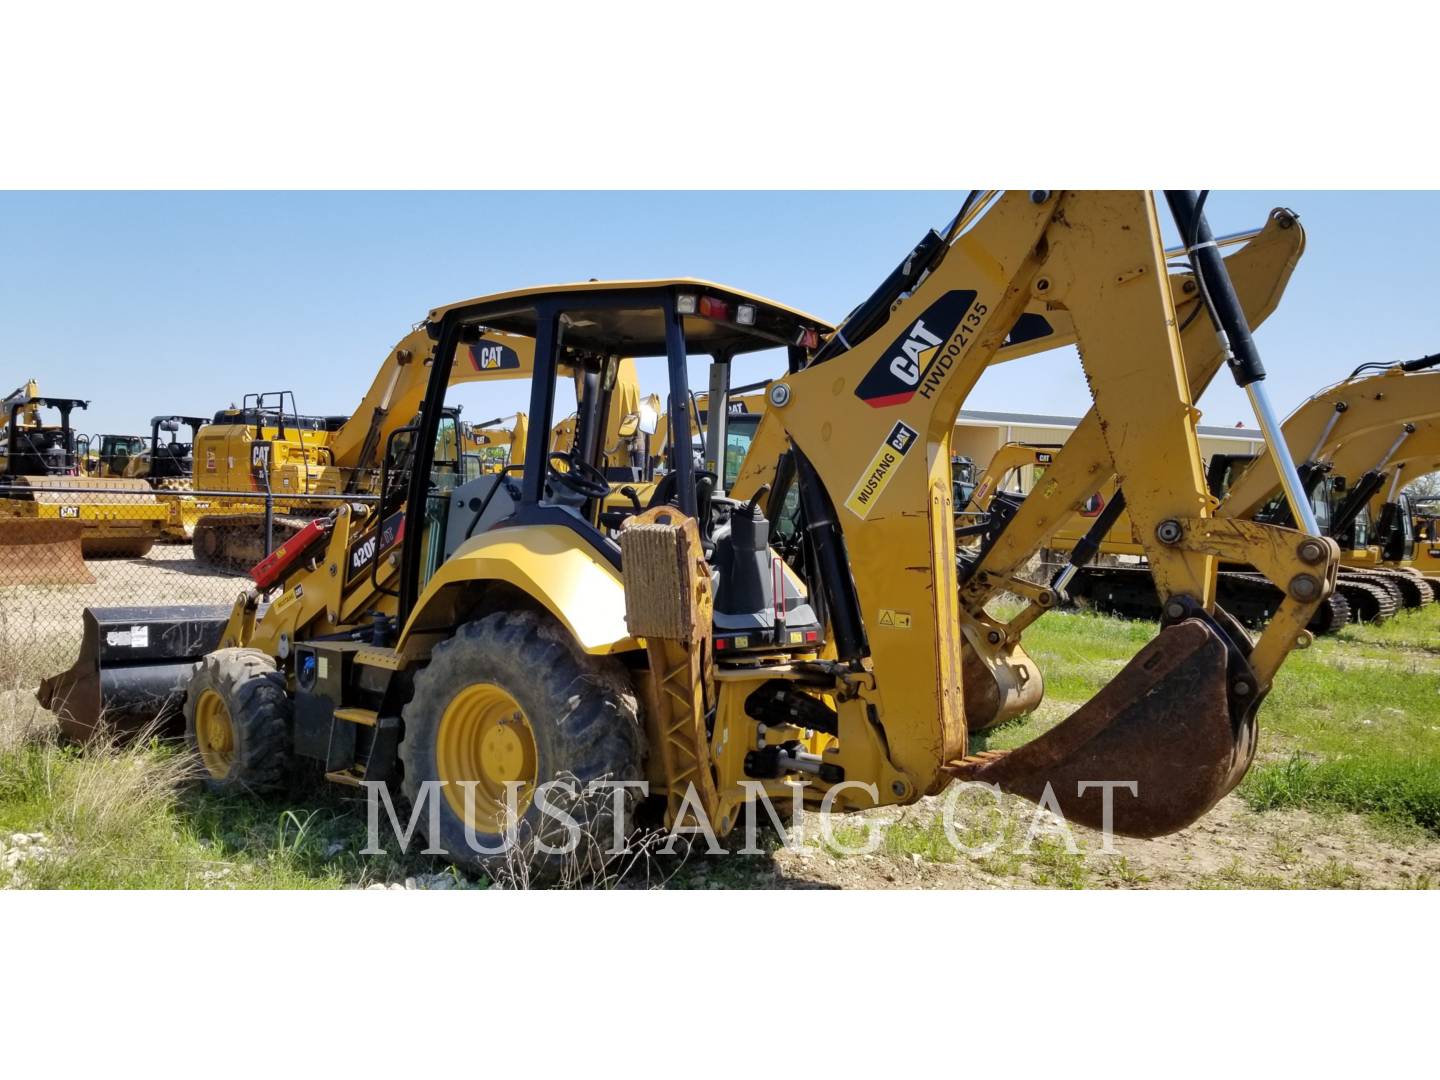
[{"x": 711, "y": 308}]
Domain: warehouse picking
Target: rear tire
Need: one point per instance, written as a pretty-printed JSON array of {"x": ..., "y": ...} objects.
[
  {"x": 512, "y": 697},
  {"x": 237, "y": 721}
]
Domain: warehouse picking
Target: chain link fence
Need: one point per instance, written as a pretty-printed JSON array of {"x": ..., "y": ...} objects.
[{"x": 71, "y": 545}]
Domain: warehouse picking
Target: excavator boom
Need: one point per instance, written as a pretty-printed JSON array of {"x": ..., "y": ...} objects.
[{"x": 1368, "y": 413}]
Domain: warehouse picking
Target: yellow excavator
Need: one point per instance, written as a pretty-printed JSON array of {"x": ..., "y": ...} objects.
[
  {"x": 1381, "y": 463},
  {"x": 52, "y": 517},
  {"x": 264, "y": 446},
  {"x": 307, "y": 463},
  {"x": 1344, "y": 438},
  {"x": 496, "y": 445},
  {"x": 436, "y": 640}
]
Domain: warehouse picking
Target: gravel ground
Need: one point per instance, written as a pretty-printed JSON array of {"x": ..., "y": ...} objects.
[{"x": 40, "y": 625}]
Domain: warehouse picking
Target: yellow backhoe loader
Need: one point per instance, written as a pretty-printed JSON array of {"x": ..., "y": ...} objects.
[
  {"x": 51, "y": 516},
  {"x": 472, "y": 639}
]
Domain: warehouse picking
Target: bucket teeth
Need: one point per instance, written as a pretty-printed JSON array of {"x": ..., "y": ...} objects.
[{"x": 1161, "y": 734}]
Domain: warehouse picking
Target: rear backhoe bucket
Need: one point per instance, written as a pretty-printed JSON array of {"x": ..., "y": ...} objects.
[
  {"x": 133, "y": 666},
  {"x": 34, "y": 552},
  {"x": 1165, "y": 724}
]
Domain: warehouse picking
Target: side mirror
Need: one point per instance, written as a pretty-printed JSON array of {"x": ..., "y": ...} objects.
[
  {"x": 629, "y": 425},
  {"x": 648, "y": 418}
]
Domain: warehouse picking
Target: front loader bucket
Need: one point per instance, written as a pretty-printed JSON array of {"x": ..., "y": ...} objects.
[
  {"x": 133, "y": 666},
  {"x": 34, "y": 552},
  {"x": 1165, "y": 725}
]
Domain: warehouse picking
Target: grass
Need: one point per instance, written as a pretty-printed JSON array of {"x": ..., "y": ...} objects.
[
  {"x": 131, "y": 817},
  {"x": 1352, "y": 725}
]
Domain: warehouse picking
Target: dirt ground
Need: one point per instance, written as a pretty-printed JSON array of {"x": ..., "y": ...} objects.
[
  {"x": 1231, "y": 847},
  {"x": 40, "y": 626}
]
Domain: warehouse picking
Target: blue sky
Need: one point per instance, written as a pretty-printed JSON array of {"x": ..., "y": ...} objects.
[{"x": 183, "y": 302}]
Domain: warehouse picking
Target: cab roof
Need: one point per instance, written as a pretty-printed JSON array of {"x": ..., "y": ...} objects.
[{"x": 614, "y": 325}]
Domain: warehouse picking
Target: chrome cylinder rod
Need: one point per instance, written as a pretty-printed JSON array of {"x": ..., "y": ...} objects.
[{"x": 1284, "y": 463}]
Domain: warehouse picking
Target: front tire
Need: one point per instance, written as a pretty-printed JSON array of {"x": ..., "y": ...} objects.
[
  {"x": 237, "y": 721},
  {"x": 511, "y": 701}
]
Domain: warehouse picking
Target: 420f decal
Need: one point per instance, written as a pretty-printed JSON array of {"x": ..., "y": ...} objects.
[{"x": 919, "y": 359}]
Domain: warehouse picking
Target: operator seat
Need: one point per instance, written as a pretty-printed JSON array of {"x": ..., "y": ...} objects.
[{"x": 665, "y": 493}]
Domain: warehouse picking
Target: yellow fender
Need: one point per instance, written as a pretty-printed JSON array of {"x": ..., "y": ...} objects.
[{"x": 547, "y": 562}]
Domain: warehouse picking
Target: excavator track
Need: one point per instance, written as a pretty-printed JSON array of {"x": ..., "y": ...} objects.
[
  {"x": 236, "y": 542},
  {"x": 1371, "y": 601},
  {"x": 1333, "y": 616},
  {"x": 1412, "y": 592},
  {"x": 1129, "y": 591}
]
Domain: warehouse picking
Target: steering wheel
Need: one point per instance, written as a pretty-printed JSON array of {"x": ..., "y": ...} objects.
[{"x": 577, "y": 476}]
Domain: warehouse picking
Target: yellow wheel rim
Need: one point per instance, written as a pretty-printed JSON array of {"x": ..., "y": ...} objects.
[
  {"x": 215, "y": 733},
  {"x": 485, "y": 738}
]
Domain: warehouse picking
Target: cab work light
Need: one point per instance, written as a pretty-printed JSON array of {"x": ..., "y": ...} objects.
[
  {"x": 685, "y": 303},
  {"x": 745, "y": 315}
]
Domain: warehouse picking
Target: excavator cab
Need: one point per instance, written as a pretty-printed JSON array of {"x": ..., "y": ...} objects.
[
  {"x": 118, "y": 454},
  {"x": 1395, "y": 531}
]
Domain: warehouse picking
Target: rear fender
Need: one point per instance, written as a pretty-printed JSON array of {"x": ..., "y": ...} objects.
[{"x": 548, "y": 563}]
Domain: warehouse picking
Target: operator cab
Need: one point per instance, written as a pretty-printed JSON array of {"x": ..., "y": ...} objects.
[
  {"x": 118, "y": 451},
  {"x": 608, "y": 470},
  {"x": 31, "y": 448},
  {"x": 172, "y": 458},
  {"x": 1395, "y": 531}
]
